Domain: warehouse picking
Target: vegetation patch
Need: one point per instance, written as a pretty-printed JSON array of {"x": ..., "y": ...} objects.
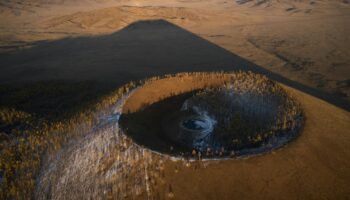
[
  {"x": 152, "y": 116},
  {"x": 37, "y": 119}
]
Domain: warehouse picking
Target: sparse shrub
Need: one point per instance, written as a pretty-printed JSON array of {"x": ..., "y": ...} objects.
[{"x": 28, "y": 137}]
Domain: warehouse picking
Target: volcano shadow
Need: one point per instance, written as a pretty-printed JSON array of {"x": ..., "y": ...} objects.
[{"x": 140, "y": 50}]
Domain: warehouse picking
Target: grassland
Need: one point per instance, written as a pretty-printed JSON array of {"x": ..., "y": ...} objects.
[
  {"x": 36, "y": 120},
  {"x": 30, "y": 140}
]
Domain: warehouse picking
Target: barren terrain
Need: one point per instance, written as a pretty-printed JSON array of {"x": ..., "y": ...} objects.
[
  {"x": 58, "y": 58},
  {"x": 305, "y": 41}
]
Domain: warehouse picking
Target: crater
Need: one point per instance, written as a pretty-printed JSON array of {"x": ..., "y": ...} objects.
[{"x": 211, "y": 115}]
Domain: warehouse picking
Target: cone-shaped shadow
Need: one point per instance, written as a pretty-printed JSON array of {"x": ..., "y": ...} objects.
[{"x": 142, "y": 49}]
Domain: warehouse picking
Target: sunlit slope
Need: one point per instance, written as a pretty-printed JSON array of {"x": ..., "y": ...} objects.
[{"x": 315, "y": 166}]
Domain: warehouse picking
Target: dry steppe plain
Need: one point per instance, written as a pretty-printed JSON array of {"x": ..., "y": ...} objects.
[{"x": 61, "y": 62}]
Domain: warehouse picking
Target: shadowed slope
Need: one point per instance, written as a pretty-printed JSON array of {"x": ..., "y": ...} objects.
[{"x": 142, "y": 49}]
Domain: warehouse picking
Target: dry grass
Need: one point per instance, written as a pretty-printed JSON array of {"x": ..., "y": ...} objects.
[
  {"x": 27, "y": 139},
  {"x": 23, "y": 151}
]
